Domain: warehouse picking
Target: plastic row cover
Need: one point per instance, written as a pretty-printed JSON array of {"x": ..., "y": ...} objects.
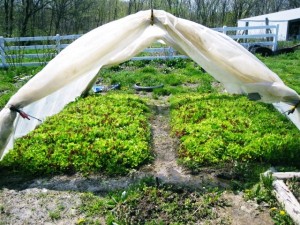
[{"x": 74, "y": 69}]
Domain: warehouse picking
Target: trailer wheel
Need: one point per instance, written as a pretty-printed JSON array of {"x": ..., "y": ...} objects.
[
  {"x": 250, "y": 49},
  {"x": 264, "y": 51}
]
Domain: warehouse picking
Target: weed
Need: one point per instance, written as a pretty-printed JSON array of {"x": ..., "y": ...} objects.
[
  {"x": 144, "y": 203},
  {"x": 55, "y": 214},
  {"x": 2, "y": 208}
]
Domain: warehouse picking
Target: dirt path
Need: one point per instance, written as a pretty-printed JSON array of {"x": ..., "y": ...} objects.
[
  {"x": 164, "y": 166},
  {"x": 37, "y": 201}
]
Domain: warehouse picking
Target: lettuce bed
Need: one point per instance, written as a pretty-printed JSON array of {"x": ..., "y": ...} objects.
[
  {"x": 219, "y": 128},
  {"x": 108, "y": 134}
]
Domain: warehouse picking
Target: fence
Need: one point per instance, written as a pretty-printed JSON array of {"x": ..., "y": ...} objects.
[
  {"x": 255, "y": 35},
  {"x": 32, "y": 51},
  {"x": 35, "y": 51}
]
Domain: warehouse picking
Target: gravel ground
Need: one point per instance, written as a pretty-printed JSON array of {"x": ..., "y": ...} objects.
[{"x": 39, "y": 206}]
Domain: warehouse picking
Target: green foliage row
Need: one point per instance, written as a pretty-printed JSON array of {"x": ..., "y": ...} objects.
[
  {"x": 97, "y": 134},
  {"x": 219, "y": 128}
]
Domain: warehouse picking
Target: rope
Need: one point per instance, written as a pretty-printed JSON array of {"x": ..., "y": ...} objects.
[
  {"x": 292, "y": 109},
  {"x": 152, "y": 16},
  {"x": 22, "y": 113}
]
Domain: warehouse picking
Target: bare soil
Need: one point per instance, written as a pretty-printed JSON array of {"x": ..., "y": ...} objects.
[{"x": 57, "y": 200}]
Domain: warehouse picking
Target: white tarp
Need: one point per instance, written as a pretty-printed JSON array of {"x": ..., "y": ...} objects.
[{"x": 73, "y": 70}]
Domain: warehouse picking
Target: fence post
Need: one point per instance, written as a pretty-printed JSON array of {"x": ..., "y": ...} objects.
[
  {"x": 2, "y": 53},
  {"x": 275, "y": 39},
  {"x": 57, "y": 43},
  {"x": 246, "y": 32},
  {"x": 171, "y": 53},
  {"x": 268, "y": 30},
  {"x": 224, "y": 30}
]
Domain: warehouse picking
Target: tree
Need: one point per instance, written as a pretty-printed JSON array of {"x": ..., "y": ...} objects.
[
  {"x": 40, "y": 17},
  {"x": 294, "y": 4},
  {"x": 9, "y": 17},
  {"x": 135, "y": 6},
  {"x": 27, "y": 11}
]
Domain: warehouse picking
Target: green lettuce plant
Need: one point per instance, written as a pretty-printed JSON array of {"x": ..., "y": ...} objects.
[
  {"x": 218, "y": 128},
  {"x": 108, "y": 134}
]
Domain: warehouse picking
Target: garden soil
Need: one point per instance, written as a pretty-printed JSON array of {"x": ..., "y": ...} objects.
[{"x": 57, "y": 200}]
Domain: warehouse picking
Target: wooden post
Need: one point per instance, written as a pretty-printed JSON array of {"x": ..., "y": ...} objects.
[
  {"x": 284, "y": 195},
  {"x": 2, "y": 53},
  {"x": 286, "y": 175}
]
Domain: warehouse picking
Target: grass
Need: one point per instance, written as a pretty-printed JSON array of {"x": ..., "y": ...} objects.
[
  {"x": 10, "y": 81},
  {"x": 176, "y": 75},
  {"x": 287, "y": 67}
]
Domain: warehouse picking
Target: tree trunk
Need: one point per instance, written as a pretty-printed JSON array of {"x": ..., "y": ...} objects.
[{"x": 8, "y": 17}]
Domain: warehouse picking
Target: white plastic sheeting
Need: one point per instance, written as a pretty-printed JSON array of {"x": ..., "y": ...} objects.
[{"x": 74, "y": 69}]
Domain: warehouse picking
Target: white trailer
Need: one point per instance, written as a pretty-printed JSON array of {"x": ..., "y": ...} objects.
[{"x": 288, "y": 21}]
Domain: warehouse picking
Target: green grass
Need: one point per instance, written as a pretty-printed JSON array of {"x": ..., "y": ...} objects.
[
  {"x": 176, "y": 75},
  {"x": 23, "y": 56},
  {"x": 10, "y": 81},
  {"x": 287, "y": 67}
]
